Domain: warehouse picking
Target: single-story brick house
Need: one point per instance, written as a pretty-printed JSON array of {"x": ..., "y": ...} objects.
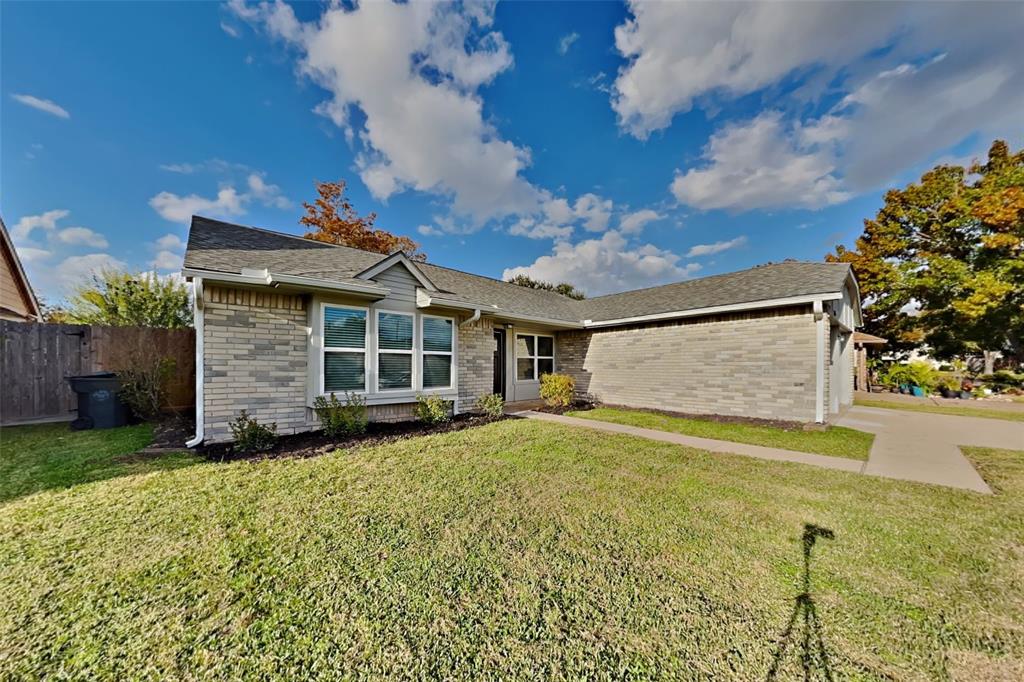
[{"x": 281, "y": 319}]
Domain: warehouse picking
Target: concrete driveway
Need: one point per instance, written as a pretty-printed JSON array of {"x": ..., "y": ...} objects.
[{"x": 923, "y": 447}]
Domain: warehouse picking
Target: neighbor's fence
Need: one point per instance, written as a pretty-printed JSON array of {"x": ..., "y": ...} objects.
[{"x": 35, "y": 360}]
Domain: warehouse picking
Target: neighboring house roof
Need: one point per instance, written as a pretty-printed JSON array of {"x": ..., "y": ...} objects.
[
  {"x": 868, "y": 339},
  {"x": 16, "y": 296},
  {"x": 228, "y": 248}
]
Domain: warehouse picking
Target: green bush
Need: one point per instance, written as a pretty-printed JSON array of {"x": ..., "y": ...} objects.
[
  {"x": 914, "y": 374},
  {"x": 557, "y": 389},
  {"x": 432, "y": 409},
  {"x": 144, "y": 385},
  {"x": 250, "y": 435},
  {"x": 493, "y": 405},
  {"x": 1003, "y": 380},
  {"x": 341, "y": 418}
]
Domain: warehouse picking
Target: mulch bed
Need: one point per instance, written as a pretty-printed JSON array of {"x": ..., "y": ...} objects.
[
  {"x": 578, "y": 406},
  {"x": 315, "y": 443}
]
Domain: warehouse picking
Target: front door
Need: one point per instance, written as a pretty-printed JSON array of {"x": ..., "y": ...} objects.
[{"x": 499, "y": 362}]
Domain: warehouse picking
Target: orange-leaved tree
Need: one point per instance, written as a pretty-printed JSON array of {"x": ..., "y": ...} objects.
[{"x": 334, "y": 220}]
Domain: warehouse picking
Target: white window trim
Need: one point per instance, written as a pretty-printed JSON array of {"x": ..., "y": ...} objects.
[
  {"x": 535, "y": 357},
  {"x": 450, "y": 353},
  {"x": 414, "y": 378},
  {"x": 324, "y": 349}
]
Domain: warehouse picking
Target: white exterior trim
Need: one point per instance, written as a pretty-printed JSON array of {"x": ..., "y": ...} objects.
[
  {"x": 819, "y": 374},
  {"x": 254, "y": 277},
  {"x": 711, "y": 310},
  {"x": 393, "y": 259},
  {"x": 197, "y": 323},
  {"x": 453, "y": 373}
]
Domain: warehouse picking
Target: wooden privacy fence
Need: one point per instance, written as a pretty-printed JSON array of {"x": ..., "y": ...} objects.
[{"x": 36, "y": 359}]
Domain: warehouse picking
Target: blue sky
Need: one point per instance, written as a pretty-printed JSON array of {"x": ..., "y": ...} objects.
[{"x": 613, "y": 145}]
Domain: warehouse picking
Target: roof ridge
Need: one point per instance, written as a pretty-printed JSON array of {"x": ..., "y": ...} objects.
[{"x": 720, "y": 274}]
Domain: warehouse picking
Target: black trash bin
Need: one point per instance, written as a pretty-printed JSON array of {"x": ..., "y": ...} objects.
[{"x": 99, "y": 401}]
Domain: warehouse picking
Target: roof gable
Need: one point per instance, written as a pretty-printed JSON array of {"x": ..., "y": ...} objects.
[
  {"x": 398, "y": 258},
  {"x": 18, "y": 277}
]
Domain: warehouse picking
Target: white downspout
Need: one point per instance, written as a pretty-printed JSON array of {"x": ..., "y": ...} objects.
[
  {"x": 197, "y": 321},
  {"x": 472, "y": 319},
  {"x": 819, "y": 388}
]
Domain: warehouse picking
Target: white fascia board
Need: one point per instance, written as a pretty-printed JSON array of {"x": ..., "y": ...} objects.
[
  {"x": 198, "y": 324},
  {"x": 425, "y": 300},
  {"x": 258, "y": 278},
  {"x": 393, "y": 259},
  {"x": 712, "y": 310}
]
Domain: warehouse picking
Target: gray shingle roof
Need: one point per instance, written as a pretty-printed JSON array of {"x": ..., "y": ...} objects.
[
  {"x": 761, "y": 283},
  {"x": 226, "y": 247}
]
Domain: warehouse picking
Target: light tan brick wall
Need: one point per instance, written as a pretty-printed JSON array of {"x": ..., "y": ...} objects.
[
  {"x": 756, "y": 364},
  {"x": 255, "y": 359},
  {"x": 476, "y": 362}
]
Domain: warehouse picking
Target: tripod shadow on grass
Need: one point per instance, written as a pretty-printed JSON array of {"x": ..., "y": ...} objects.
[{"x": 803, "y": 631}]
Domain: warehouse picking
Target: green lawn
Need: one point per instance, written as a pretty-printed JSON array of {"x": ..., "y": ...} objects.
[
  {"x": 50, "y": 456},
  {"x": 518, "y": 550},
  {"x": 836, "y": 441},
  {"x": 995, "y": 413}
]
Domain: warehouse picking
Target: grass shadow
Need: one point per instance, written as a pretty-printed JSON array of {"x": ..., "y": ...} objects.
[
  {"x": 44, "y": 457},
  {"x": 803, "y": 627}
]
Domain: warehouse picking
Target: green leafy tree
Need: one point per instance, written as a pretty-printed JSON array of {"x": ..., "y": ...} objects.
[
  {"x": 121, "y": 299},
  {"x": 943, "y": 261},
  {"x": 563, "y": 288}
]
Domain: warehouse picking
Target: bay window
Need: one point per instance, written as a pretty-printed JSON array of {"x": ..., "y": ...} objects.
[
  {"x": 535, "y": 355},
  {"x": 438, "y": 334},
  {"x": 344, "y": 352},
  {"x": 394, "y": 351}
]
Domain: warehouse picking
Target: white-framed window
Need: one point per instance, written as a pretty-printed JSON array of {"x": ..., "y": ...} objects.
[
  {"x": 535, "y": 355},
  {"x": 343, "y": 355},
  {"x": 395, "y": 349},
  {"x": 437, "y": 336}
]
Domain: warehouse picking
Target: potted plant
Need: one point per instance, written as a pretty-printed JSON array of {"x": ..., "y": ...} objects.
[
  {"x": 949, "y": 387},
  {"x": 966, "y": 389}
]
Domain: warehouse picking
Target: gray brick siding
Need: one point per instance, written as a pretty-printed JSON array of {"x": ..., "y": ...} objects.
[
  {"x": 476, "y": 362},
  {"x": 759, "y": 364},
  {"x": 255, "y": 359}
]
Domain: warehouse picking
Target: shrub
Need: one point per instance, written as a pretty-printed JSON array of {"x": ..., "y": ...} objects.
[
  {"x": 432, "y": 409},
  {"x": 493, "y": 405},
  {"x": 144, "y": 385},
  {"x": 1003, "y": 380},
  {"x": 916, "y": 374},
  {"x": 341, "y": 418},
  {"x": 557, "y": 389},
  {"x": 250, "y": 435}
]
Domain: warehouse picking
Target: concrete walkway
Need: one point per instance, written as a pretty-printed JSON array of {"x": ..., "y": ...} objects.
[
  {"x": 909, "y": 446},
  {"x": 919, "y": 446},
  {"x": 776, "y": 454}
]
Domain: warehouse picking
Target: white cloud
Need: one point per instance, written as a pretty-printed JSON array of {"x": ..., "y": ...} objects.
[
  {"x": 635, "y": 222},
  {"x": 539, "y": 229},
  {"x": 429, "y": 231},
  {"x": 170, "y": 241},
  {"x": 47, "y": 221},
  {"x": 166, "y": 260},
  {"x": 607, "y": 264},
  {"x": 566, "y": 41},
  {"x": 413, "y": 69},
  {"x": 228, "y": 202},
  {"x": 269, "y": 194},
  {"x": 229, "y": 29},
  {"x": 29, "y": 254},
  {"x": 918, "y": 78},
  {"x": 594, "y": 211},
  {"x": 761, "y": 164},
  {"x": 180, "y": 209},
  {"x": 49, "y": 106},
  {"x": 717, "y": 247},
  {"x": 77, "y": 270},
  {"x": 82, "y": 236}
]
